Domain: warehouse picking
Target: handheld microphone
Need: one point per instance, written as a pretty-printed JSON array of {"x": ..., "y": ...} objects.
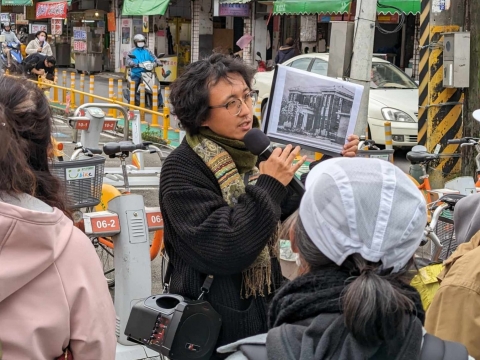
[{"x": 259, "y": 144}]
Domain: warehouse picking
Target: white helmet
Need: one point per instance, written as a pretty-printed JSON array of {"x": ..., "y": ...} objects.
[
  {"x": 139, "y": 38},
  {"x": 5, "y": 24}
]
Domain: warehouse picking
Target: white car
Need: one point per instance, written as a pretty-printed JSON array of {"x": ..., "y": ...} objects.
[{"x": 393, "y": 97}]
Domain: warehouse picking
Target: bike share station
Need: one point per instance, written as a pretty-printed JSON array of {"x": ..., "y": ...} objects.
[
  {"x": 91, "y": 120},
  {"x": 160, "y": 326}
]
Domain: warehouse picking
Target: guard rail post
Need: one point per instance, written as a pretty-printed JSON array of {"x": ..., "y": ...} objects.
[
  {"x": 132, "y": 94},
  {"x": 82, "y": 89},
  {"x": 91, "y": 89},
  {"x": 388, "y": 135},
  {"x": 64, "y": 84},
  {"x": 110, "y": 95},
  {"x": 166, "y": 104},
  {"x": 142, "y": 102},
  {"x": 55, "y": 90},
  {"x": 119, "y": 92},
  {"x": 166, "y": 121},
  {"x": 155, "y": 106},
  {"x": 72, "y": 87}
]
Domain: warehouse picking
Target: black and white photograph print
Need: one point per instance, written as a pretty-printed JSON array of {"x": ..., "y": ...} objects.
[{"x": 315, "y": 111}]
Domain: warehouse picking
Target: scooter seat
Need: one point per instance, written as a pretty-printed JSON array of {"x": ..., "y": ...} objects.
[{"x": 420, "y": 157}]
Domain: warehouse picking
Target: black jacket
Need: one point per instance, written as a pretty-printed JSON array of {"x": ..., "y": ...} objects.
[{"x": 203, "y": 235}]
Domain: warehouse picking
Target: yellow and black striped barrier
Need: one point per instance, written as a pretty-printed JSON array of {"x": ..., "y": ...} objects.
[{"x": 440, "y": 109}]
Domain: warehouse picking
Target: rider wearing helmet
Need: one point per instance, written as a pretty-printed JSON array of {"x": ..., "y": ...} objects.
[
  {"x": 141, "y": 54},
  {"x": 10, "y": 37}
]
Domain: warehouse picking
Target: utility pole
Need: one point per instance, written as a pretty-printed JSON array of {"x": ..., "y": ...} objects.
[
  {"x": 361, "y": 65},
  {"x": 440, "y": 109},
  {"x": 471, "y": 127}
]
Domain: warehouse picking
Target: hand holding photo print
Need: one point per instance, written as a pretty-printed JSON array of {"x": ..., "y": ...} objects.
[{"x": 310, "y": 110}]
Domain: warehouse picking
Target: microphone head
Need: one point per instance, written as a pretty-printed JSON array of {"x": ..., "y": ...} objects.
[{"x": 256, "y": 141}]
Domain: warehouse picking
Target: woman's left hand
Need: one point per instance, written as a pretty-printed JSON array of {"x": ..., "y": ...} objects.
[{"x": 350, "y": 149}]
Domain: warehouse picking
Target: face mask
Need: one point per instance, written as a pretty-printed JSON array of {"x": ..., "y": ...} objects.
[
  {"x": 141, "y": 44},
  {"x": 41, "y": 38}
]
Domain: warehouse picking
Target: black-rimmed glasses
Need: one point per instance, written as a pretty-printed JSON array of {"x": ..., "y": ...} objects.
[{"x": 234, "y": 107}]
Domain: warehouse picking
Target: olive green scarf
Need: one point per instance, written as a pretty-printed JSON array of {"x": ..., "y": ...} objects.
[{"x": 228, "y": 160}]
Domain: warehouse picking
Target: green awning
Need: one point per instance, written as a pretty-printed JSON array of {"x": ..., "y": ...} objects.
[
  {"x": 303, "y": 7},
  {"x": 335, "y": 7},
  {"x": 407, "y": 6},
  {"x": 144, "y": 7},
  {"x": 69, "y": 2},
  {"x": 17, "y": 2}
]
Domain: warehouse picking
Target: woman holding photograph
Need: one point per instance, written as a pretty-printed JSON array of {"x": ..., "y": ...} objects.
[{"x": 221, "y": 212}]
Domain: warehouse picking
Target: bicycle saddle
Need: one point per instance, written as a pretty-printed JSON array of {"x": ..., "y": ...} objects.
[
  {"x": 416, "y": 157},
  {"x": 451, "y": 199},
  {"x": 112, "y": 148}
]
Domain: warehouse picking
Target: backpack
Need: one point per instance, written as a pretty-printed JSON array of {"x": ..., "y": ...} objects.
[{"x": 433, "y": 348}]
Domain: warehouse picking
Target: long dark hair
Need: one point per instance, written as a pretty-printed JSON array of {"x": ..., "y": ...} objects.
[
  {"x": 374, "y": 305},
  {"x": 25, "y": 143}
]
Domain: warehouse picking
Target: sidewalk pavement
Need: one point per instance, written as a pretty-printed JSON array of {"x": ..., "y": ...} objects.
[{"x": 100, "y": 76}]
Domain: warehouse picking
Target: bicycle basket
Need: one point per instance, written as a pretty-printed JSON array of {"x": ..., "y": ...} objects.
[
  {"x": 446, "y": 234},
  {"x": 82, "y": 179},
  {"x": 386, "y": 154}
]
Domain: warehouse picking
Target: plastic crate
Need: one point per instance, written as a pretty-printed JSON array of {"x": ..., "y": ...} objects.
[
  {"x": 82, "y": 179},
  {"x": 377, "y": 154}
]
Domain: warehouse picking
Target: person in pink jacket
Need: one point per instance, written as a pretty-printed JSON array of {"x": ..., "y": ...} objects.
[{"x": 53, "y": 294}]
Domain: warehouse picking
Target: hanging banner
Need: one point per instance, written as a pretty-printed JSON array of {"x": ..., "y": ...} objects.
[
  {"x": 56, "y": 26},
  {"x": 49, "y": 10},
  {"x": 145, "y": 23},
  {"x": 111, "y": 22}
]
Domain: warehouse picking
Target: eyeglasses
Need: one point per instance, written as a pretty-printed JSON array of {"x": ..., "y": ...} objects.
[{"x": 234, "y": 107}]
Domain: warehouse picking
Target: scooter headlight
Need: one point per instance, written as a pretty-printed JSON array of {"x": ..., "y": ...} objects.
[{"x": 149, "y": 67}]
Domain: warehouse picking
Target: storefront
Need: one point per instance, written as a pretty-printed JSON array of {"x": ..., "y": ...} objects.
[{"x": 309, "y": 24}]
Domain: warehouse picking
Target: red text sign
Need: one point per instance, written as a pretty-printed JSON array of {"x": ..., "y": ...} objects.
[
  {"x": 109, "y": 125},
  {"x": 49, "y": 10},
  {"x": 82, "y": 124},
  {"x": 105, "y": 224},
  {"x": 154, "y": 219}
]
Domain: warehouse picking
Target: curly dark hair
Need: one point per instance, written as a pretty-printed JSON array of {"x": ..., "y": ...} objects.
[
  {"x": 190, "y": 93},
  {"x": 26, "y": 142}
]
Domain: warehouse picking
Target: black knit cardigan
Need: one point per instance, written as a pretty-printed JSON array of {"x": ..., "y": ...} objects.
[{"x": 204, "y": 235}]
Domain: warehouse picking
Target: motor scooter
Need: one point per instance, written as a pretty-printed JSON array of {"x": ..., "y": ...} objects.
[
  {"x": 149, "y": 79},
  {"x": 262, "y": 66},
  {"x": 16, "y": 54}
]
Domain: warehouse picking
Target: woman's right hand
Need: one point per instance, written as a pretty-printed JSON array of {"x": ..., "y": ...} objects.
[
  {"x": 39, "y": 49},
  {"x": 280, "y": 164}
]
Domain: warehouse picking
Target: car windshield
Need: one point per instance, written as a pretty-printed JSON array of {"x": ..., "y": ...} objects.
[{"x": 387, "y": 76}]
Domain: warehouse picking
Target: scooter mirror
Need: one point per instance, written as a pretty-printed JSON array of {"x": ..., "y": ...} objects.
[
  {"x": 476, "y": 115},
  {"x": 132, "y": 56},
  {"x": 259, "y": 54},
  {"x": 161, "y": 55}
]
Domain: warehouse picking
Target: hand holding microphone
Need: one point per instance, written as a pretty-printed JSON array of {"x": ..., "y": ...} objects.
[{"x": 278, "y": 162}]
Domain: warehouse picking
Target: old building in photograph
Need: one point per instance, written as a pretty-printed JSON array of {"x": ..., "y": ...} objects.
[{"x": 321, "y": 112}]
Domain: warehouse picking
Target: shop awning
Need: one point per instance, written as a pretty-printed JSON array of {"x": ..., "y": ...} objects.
[
  {"x": 17, "y": 2},
  {"x": 144, "y": 7},
  {"x": 406, "y": 6},
  {"x": 69, "y": 2},
  {"x": 335, "y": 7}
]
